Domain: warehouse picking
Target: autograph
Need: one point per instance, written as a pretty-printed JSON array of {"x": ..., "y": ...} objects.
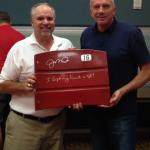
[{"x": 52, "y": 63}]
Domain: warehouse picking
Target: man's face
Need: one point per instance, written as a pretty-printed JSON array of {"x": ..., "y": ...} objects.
[
  {"x": 102, "y": 11},
  {"x": 43, "y": 21}
]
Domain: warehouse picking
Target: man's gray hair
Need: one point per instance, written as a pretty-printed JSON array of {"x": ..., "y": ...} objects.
[
  {"x": 113, "y": 2},
  {"x": 40, "y": 4}
]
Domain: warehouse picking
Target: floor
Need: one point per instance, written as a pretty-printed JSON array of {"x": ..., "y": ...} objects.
[{"x": 80, "y": 141}]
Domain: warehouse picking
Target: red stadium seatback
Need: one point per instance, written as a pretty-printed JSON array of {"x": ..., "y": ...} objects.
[{"x": 71, "y": 76}]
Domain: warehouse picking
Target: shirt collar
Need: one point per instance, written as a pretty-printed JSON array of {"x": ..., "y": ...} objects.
[
  {"x": 56, "y": 44},
  {"x": 33, "y": 39}
]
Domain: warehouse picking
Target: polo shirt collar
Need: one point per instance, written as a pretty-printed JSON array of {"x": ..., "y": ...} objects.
[{"x": 56, "y": 44}]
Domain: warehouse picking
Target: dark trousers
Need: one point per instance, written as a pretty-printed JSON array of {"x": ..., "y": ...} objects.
[
  {"x": 4, "y": 110},
  {"x": 113, "y": 133}
]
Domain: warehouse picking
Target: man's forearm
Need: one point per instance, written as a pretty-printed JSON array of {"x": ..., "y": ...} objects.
[
  {"x": 142, "y": 77},
  {"x": 12, "y": 87}
]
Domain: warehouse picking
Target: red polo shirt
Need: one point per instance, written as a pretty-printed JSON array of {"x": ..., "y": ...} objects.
[{"x": 8, "y": 37}]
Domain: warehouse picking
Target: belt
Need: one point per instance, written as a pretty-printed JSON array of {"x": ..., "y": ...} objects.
[{"x": 40, "y": 119}]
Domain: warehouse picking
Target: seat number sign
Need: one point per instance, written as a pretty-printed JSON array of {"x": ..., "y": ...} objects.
[{"x": 86, "y": 57}]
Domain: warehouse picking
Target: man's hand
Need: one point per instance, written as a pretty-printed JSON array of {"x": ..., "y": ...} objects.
[
  {"x": 30, "y": 82},
  {"x": 115, "y": 98}
]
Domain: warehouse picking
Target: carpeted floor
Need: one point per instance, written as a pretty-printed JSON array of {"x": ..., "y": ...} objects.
[
  {"x": 143, "y": 142},
  {"x": 76, "y": 141}
]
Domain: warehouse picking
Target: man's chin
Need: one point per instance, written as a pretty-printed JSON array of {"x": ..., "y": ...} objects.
[
  {"x": 101, "y": 22},
  {"x": 46, "y": 33}
]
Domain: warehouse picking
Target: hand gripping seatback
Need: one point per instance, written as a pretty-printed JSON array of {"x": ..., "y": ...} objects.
[{"x": 70, "y": 76}]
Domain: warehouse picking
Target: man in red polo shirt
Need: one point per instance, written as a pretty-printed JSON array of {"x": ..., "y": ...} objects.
[{"x": 8, "y": 37}]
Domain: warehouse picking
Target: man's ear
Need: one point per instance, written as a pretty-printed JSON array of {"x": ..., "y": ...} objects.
[
  {"x": 91, "y": 12},
  {"x": 115, "y": 10},
  {"x": 31, "y": 22}
]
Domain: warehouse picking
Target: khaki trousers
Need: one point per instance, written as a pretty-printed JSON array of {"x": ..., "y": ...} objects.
[{"x": 27, "y": 134}]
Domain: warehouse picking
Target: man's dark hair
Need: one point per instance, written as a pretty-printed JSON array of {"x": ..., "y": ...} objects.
[{"x": 4, "y": 17}]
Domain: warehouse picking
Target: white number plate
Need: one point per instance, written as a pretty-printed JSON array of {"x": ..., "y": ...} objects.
[{"x": 86, "y": 57}]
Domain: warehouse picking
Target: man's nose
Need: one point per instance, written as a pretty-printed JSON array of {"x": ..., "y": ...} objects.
[
  {"x": 101, "y": 9},
  {"x": 46, "y": 20}
]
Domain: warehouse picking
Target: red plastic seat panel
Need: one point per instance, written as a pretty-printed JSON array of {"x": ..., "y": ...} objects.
[{"x": 66, "y": 77}]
